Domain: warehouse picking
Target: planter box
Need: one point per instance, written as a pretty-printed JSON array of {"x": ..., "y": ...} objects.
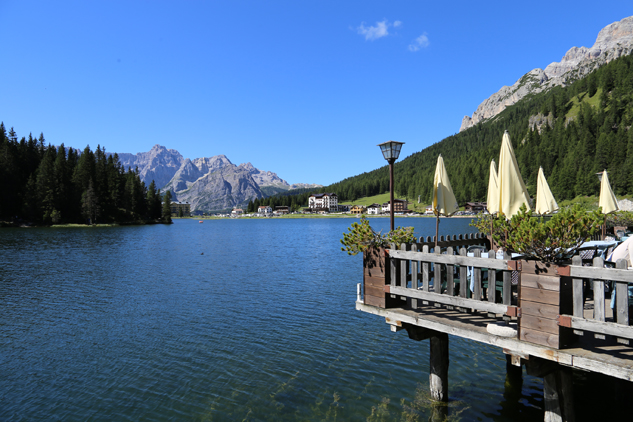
[
  {"x": 543, "y": 295},
  {"x": 375, "y": 276}
]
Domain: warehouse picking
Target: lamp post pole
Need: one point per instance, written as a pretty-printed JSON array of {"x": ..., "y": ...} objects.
[
  {"x": 391, "y": 161},
  {"x": 391, "y": 151}
]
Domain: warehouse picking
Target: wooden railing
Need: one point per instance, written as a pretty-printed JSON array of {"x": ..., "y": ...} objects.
[
  {"x": 446, "y": 276},
  {"x": 430, "y": 277},
  {"x": 598, "y": 275}
]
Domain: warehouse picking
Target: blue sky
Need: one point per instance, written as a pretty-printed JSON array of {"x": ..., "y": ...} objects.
[{"x": 304, "y": 88}]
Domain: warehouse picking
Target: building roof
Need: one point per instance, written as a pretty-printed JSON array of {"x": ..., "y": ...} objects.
[
  {"x": 321, "y": 195},
  {"x": 394, "y": 201}
]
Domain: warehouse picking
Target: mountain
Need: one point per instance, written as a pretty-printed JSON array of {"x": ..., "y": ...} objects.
[
  {"x": 615, "y": 40},
  {"x": 208, "y": 183},
  {"x": 222, "y": 188},
  {"x": 158, "y": 164}
]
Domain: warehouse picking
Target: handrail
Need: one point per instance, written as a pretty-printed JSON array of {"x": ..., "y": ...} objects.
[
  {"x": 411, "y": 274},
  {"x": 469, "y": 261}
]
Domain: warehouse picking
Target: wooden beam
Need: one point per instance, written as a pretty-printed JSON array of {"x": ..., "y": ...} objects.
[
  {"x": 606, "y": 328},
  {"x": 479, "y": 305},
  {"x": 419, "y": 333},
  {"x": 496, "y": 264},
  {"x": 612, "y": 274}
]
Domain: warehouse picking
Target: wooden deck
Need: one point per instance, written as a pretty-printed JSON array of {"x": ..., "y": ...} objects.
[
  {"x": 561, "y": 314},
  {"x": 587, "y": 353}
]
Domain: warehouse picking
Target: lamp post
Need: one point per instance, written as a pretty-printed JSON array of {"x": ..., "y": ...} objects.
[{"x": 391, "y": 151}]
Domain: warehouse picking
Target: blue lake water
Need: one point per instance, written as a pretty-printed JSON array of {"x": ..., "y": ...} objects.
[{"x": 229, "y": 320}]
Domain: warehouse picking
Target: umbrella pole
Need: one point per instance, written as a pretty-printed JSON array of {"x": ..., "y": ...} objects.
[{"x": 437, "y": 229}]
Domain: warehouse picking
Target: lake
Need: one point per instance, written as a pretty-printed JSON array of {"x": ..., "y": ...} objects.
[{"x": 230, "y": 320}]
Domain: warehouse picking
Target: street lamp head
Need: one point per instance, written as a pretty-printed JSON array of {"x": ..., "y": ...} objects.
[{"x": 391, "y": 150}]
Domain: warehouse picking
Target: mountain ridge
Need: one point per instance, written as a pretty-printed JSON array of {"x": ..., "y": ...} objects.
[
  {"x": 207, "y": 183},
  {"x": 613, "y": 41}
]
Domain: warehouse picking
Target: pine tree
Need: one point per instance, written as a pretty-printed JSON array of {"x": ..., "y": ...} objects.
[
  {"x": 167, "y": 207},
  {"x": 90, "y": 204}
]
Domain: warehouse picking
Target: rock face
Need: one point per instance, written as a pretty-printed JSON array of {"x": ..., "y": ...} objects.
[
  {"x": 615, "y": 40},
  {"x": 208, "y": 183},
  {"x": 224, "y": 188},
  {"x": 158, "y": 164},
  {"x": 264, "y": 178}
]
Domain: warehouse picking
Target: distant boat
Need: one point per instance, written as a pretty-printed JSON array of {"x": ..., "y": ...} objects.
[{"x": 200, "y": 221}]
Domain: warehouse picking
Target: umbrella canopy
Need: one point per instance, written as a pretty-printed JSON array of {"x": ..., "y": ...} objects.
[
  {"x": 492, "y": 201},
  {"x": 512, "y": 190},
  {"x": 545, "y": 202},
  {"x": 444, "y": 202},
  {"x": 622, "y": 251},
  {"x": 608, "y": 202}
]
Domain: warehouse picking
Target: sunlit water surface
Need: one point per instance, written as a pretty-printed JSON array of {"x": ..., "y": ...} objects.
[{"x": 228, "y": 320}]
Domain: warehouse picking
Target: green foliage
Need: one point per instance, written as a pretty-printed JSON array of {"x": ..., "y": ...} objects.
[
  {"x": 361, "y": 236},
  {"x": 46, "y": 184},
  {"x": 621, "y": 218},
  {"x": 549, "y": 240},
  {"x": 167, "y": 207}
]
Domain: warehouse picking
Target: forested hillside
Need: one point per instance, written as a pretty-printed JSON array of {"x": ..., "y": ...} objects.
[
  {"x": 44, "y": 184},
  {"x": 587, "y": 132}
]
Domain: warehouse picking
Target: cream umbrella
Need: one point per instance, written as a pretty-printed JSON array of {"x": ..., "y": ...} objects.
[
  {"x": 512, "y": 190},
  {"x": 607, "y": 201},
  {"x": 444, "y": 202},
  {"x": 545, "y": 202},
  {"x": 492, "y": 201}
]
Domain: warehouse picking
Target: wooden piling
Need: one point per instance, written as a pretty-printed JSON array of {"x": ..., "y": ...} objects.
[{"x": 438, "y": 377}]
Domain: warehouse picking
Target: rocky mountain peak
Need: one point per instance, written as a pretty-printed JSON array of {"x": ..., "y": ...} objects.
[{"x": 613, "y": 41}]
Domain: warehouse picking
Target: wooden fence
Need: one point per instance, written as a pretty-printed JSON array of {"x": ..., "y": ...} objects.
[
  {"x": 583, "y": 277},
  {"x": 416, "y": 274},
  {"x": 443, "y": 278}
]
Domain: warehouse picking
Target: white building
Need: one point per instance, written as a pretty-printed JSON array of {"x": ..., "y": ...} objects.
[
  {"x": 323, "y": 202},
  {"x": 237, "y": 211},
  {"x": 374, "y": 209},
  {"x": 264, "y": 209}
]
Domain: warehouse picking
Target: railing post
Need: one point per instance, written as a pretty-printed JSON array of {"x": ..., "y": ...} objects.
[
  {"x": 437, "y": 283},
  {"x": 477, "y": 277},
  {"x": 598, "y": 293},
  {"x": 577, "y": 290},
  {"x": 507, "y": 283},
  {"x": 492, "y": 280},
  {"x": 414, "y": 276},
  {"x": 463, "y": 276},
  {"x": 425, "y": 271},
  {"x": 450, "y": 286},
  {"x": 622, "y": 296}
]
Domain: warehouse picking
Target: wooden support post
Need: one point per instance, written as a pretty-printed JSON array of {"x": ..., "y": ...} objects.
[
  {"x": 415, "y": 281},
  {"x": 557, "y": 393},
  {"x": 438, "y": 377}
]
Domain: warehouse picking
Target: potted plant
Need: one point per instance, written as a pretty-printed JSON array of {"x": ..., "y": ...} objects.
[
  {"x": 545, "y": 245},
  {"x": 361, "y": 237}
]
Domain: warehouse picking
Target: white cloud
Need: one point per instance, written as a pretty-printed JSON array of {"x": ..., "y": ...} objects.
[
  {"x": 420, "y": 42},
  {"x": 397, "y": 24},
  {"x": 372, "y": 33}
]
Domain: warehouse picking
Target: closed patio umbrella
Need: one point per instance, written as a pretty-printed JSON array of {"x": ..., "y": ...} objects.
[
  {"x": 444, "y": 202},
  {"x": 545, "y": 202},
  {"x": 492, "y": 201},
  {"x": 512, "y": 190},
  {"x": 608, "y": 202}
]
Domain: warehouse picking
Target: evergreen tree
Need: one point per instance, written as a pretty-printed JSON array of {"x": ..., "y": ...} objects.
[
  {"x": 90, "y": 204},
  {"x": 167, "y": 207}
]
